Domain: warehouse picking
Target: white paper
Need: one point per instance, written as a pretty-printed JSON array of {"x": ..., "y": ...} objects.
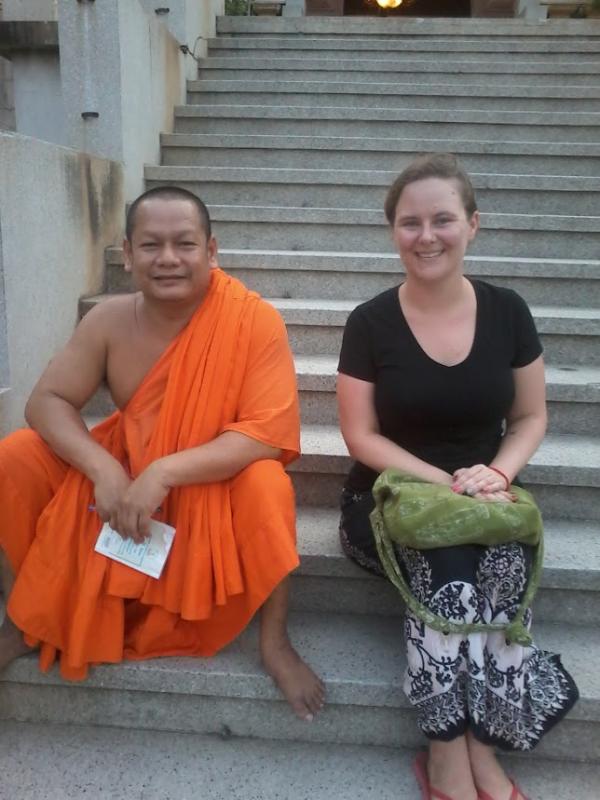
[{"x": 148, "y": 557}]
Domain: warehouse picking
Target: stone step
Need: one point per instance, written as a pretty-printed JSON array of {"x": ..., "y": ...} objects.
[
  {"x": 315, "y": 327},
  {"x": 319, "y": 274},
  {"x": 413, "y": 28},
  {"x": 438, "y": 49},
  {"x": 564, "y": 474},
  {"x": 73, "y": 761},
  {"x": 360, "y": 658},
  {"x": 418, "y": 69},
  {"x": 358, "y": 230},
  {"x": 327, "y": 581},
  {"x": 376, "y": 153},
  {"x": 573, "y": 396},
  {"x": 570, "y": 586},
  {"x": 569, "y": 335},
  {"x": 292, "y": 274},
  {"x": 70, "y": 761},
  {"x": 475, "y": 125},
  {"x": 373, "y": 95},
  {"x": 337, "y": 188}
]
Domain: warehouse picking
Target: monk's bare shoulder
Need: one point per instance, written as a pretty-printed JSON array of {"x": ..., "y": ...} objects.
[
  {"x": 76, "y": 371},
  {"x": 110, "y": 317}
]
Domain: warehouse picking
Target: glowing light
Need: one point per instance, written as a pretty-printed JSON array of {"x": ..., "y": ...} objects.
[{"x": 389, "y": 3}]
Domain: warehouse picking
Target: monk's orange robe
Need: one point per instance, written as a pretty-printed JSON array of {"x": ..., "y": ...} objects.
[{"x": 230, "y": 369}]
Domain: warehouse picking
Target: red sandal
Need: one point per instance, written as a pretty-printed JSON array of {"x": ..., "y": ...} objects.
[
  {"x": 427, "y": 791},
  {"x": 515, "y": 794}
]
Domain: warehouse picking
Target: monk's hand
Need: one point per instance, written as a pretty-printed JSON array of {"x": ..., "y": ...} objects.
[
  {"x": 476, "y": 479},
  {"x": 142, "y": 499},
  {"x": 109, "y": 489}
]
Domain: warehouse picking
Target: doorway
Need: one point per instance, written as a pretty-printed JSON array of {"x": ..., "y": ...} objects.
[{"x": 410, "y": 8}]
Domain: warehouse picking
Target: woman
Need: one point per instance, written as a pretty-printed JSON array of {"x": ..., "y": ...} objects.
[{"x": 443, "y": 377}]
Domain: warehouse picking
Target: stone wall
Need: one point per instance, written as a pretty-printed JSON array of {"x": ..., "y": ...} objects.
[
  {"x": 111, "y": 88},
  {"x": 123, "y": 73},
  {"x": 191, "y": 22},
  {"x": 39, "y": 109},
  {"x": 60, "y": 207},
  {"x": 30, "y": 10},
  {"x": 59, "y": 210},
  {"x": 7, "y": 98},
  {"x": 5, "y": 422}
]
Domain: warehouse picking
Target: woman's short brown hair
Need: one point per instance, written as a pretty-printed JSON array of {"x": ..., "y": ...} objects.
[{"x": 431, "y": 165}]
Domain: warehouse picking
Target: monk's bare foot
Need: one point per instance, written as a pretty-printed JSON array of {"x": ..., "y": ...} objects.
[
  {"x": 303, "y": 690},
  {"x": 11, "y": 644}
]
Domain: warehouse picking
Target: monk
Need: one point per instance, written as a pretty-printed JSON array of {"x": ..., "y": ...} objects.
[{"x": 200, "y": 370}]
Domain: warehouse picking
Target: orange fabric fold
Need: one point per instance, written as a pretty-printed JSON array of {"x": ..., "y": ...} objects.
[{"x": 229, "y": 369}]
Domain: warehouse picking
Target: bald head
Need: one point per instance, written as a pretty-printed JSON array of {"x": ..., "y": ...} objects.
[{"x": 167, "y": 193}]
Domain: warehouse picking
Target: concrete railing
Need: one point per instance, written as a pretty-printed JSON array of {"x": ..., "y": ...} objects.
[
  {"x": 59, "y": 210},
  {"x": 116, "y": 72},
  {"x": 30, "y": 10},
  {"x": 124, "y": 71},
  {"x": 102, "y": 77}
]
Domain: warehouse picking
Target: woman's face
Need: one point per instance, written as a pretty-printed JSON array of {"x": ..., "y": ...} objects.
[{"x": 432, "y": 230}]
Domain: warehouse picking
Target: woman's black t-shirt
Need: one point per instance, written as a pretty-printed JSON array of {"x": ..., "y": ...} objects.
[{"x": 451, "y": 417}]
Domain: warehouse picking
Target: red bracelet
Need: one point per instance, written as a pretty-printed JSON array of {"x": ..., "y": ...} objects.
[{"x": 502, "y": 475}]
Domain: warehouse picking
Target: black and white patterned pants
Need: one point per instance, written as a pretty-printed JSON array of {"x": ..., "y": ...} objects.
[{"x": 506, "y": 694}]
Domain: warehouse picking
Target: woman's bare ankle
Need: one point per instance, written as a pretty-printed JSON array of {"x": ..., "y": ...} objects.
[
  {"x": 449, "y": 769},
  {"x": 487, "y": 771}
]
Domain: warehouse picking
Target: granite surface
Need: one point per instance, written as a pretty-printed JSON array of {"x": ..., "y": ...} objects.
[
  {"x": 46, "y": 762},
  {"x": 360, "y": 657}
]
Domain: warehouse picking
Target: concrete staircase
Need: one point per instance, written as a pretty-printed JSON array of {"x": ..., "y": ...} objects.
[{"x": 292, "y": 133}]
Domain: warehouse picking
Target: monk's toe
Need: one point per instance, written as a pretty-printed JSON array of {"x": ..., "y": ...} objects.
[{"x": 302, "y": 709}]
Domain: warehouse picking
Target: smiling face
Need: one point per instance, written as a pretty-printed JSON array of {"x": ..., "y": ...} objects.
[
  {"x": 432, "y": 229},
  {"x": 169, "y": 255}
]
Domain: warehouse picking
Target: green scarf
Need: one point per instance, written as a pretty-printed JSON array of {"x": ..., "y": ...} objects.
[{"x": 413, "y": 513}]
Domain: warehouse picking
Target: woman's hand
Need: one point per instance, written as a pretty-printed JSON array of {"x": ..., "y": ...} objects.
[
  {"x": 477, "y": 479},
  {"x": 496, "y": 497}
]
